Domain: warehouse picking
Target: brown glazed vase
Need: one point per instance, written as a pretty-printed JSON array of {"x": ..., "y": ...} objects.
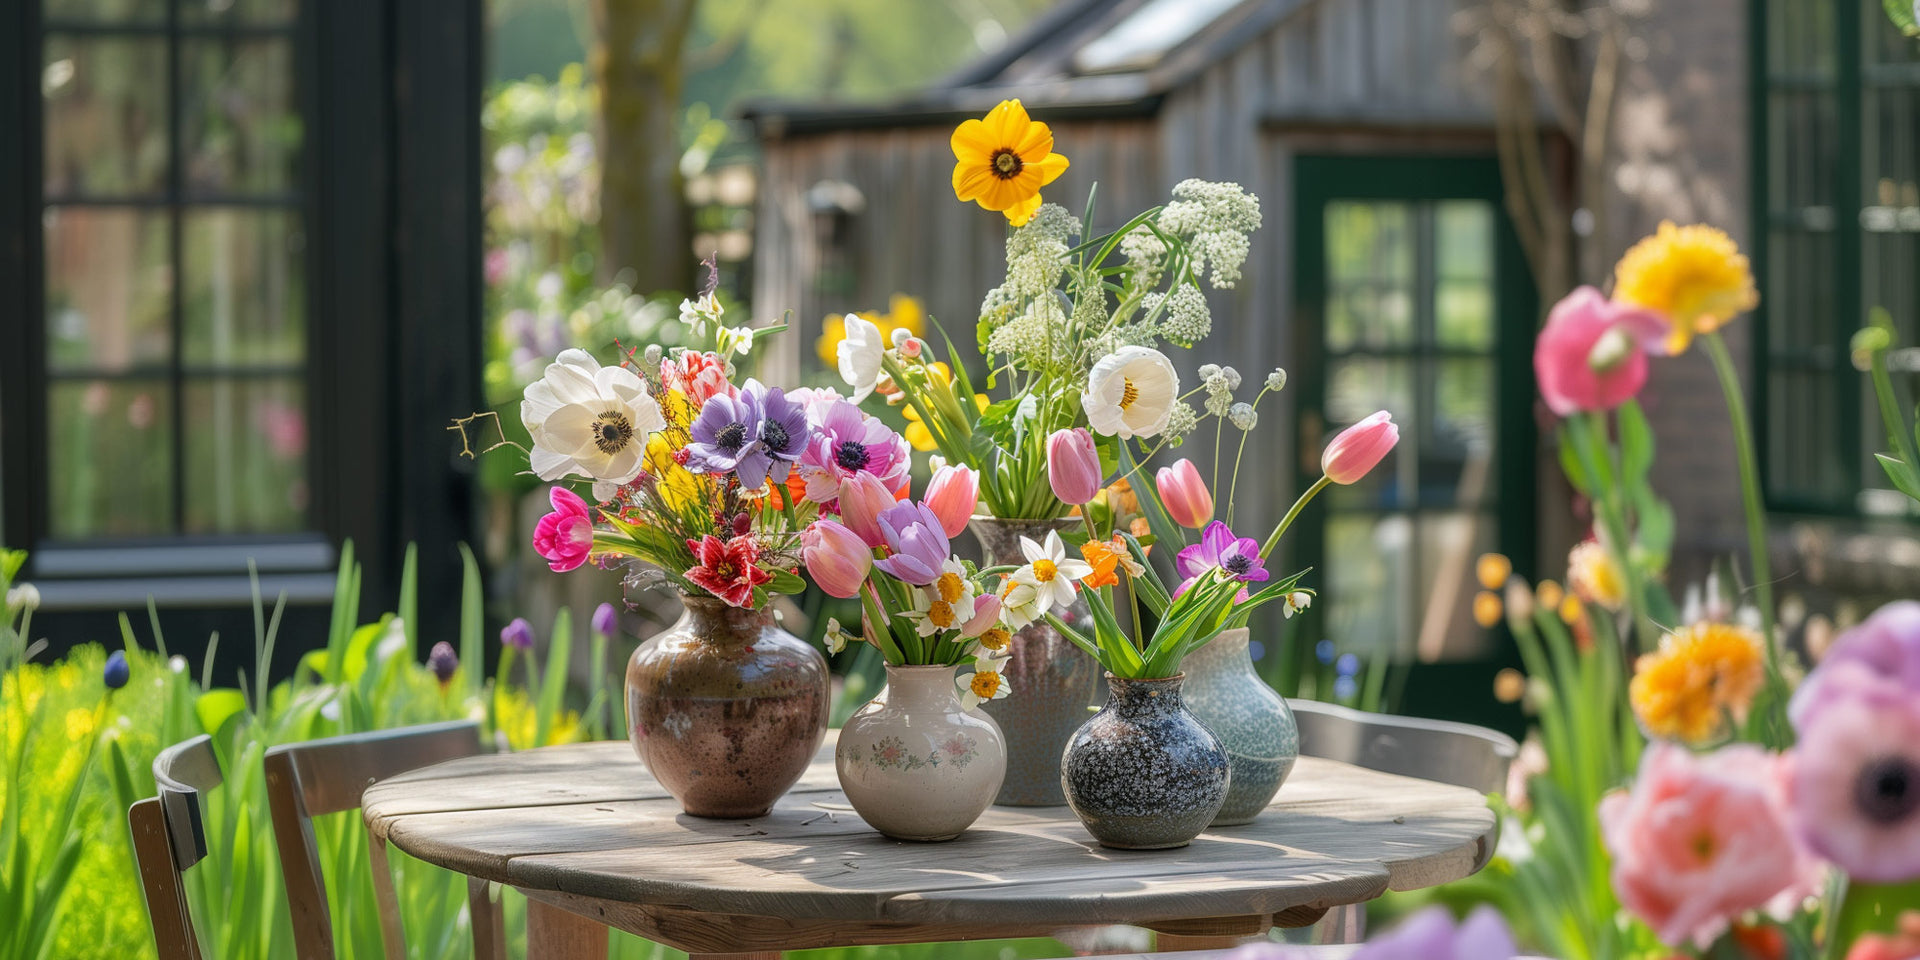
[
  {"x": 1053, "y": 681},
  {"x": 726, "y": 709}
]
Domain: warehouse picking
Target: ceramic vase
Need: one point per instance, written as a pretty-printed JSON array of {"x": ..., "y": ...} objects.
[
  {"x": 914, "y": 763},
  {"x": 1053, "y": 681},
  {"x": 1251, "y": 721},
  {"x": 1143, "y": 773},
  {"x": 726, "y": 709}
]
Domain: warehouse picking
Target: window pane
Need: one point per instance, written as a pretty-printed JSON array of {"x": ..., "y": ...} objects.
[
  {"x": 1370, "y": 300},
  {"x": 258, "y": 12},
  {"x": 106, "y": 116},
  {"x": 108, "y": 286},
  {"x": 1457, "y": 443},
  {"x": 246, "y": 455},
  {"x": 109, "y": 443},
  {"x": 1369, "y": 582},
  {"x": 1449, "y": 544},
  {"x": 240, "y": 132},
  {"x": 121, "y": 11},
  {"x": 244, "y": 293}
]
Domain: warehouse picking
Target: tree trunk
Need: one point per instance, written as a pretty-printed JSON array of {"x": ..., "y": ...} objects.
[{"x": 643, "y": 218}]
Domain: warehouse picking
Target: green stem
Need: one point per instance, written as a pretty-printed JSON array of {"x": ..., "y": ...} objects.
[
  {"x": 1756, "y": 513},
  {"x": 1266, "y": 550}
]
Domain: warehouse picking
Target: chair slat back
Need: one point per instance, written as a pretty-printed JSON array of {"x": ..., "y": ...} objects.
[
  {"x": 318, "y": 777},
  {"x": 1439, "y": 750},
  {"x": 169, "y": 836}
]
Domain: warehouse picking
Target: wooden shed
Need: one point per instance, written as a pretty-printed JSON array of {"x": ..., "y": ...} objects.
[{"x": 1385, "y": 275}]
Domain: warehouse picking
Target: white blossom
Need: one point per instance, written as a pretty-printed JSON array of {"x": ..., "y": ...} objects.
[
  {"x": 1187, "y": 319},
  {"x": 1243, "y": 415},
  {"x": 1213, "y": 220},
  {"x": 1277, "y": 380}
]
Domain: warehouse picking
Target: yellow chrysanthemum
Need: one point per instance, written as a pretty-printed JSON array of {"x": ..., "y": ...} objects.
[
  {"x": 1700, "y": 675},
  {"x": 1696, "y": 275},
  {"x": 1595, "y": 577},
  {"x": 1002, "y": 161},
  {"x": 903, "y": 311}
]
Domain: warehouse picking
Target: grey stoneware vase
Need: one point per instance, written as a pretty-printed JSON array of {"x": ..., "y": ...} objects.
[
  {"x": 1143, "y": 773},
  {"x": 726, "y": 709},
  {"x": 1251, "y": 721},
  {"x": 1053, "y": 681}
]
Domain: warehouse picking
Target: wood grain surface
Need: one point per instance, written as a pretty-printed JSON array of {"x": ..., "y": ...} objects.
[{"x": 585, "y": 828}]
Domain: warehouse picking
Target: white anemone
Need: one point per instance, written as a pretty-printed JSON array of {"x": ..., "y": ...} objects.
[
  {"x": 860, "y": 354},
  {"x": 1131, "y": 393},
  {"x": 589, "y": 420}
]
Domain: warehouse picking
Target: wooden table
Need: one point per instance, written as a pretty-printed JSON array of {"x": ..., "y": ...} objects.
[{"x": 593, "y": 841}]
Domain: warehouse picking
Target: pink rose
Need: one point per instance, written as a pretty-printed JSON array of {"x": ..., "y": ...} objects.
[
  {"x": 1592, "y": 355},
  {"x": 1700, "y": 840}
]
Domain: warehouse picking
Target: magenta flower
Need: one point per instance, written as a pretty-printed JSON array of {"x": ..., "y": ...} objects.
[
  {"x": 565, "y": 536},
  {"x": 1430, "y": 934},
  {"x": 1220, "y": 549},
  {"x": 918, "y": 543},
  {"x": 728, "y": 569},
  {"x": 1592, "y": 354},
  {"x": 1700, "y": 840},
  {"x": 1882, "y": 651},
  {"x": 1856, "y": 779},
  {"x": 845, "y": 442}
]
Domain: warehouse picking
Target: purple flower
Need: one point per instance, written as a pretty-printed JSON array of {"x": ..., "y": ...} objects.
[
  {"x": 443, "y": 662},
  {"x": 1427, "y": 935},
  {"x": 846, "y": 441},
  {"x": 1855, "y": 793},
  {"x": 606, "y": 620},
  {"x": 726, "y": 439},
  {"x": 517, "y": 635},
  {"x": 1884, "y": 651},
  {"x": 784, "y": 431},
  {"x": 1220, "y": 549},
  {"x": 918, "y": 543},
  {"x": 117, "y": 672}
]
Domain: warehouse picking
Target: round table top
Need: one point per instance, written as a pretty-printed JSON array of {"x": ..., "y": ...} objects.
[{"x": 587, "y": 820}]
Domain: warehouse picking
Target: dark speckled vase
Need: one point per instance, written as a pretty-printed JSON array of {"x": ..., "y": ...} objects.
[
  {"x": 726, "y": 709},
  {"x": 1053, "y": 681},
  {"x": 1144, "y": 774},
  {"x": 1252, "y": 722}
]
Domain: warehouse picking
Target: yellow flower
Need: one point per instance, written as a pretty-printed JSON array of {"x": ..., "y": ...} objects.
[
  {"x": 1004, "y": 160},
  {"x": 1696, "y": 275},
  {"x": 679, "y": 487},
  {"x": 1486, "y": 608},
  {"x": 1595, "y": 577},
  {"x": 1493, "y": 569},
  {"x": 1549, "y": 594},
  {"x": 1700, "y": 675},
  {"x": 916, "y": 432}
]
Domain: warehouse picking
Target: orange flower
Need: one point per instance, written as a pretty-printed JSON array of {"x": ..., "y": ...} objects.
[
  {"x": 1002, "y": 161},
  {"x": 1700, "y": 675},
  {"x": 1104, "y": 559}
]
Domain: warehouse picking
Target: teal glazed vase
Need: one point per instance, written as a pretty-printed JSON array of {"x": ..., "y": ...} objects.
[
  {"x": 1252, "y": 722},
  {"x": 1053, "y": 681},
  {"x": 1144, "y": 773}
]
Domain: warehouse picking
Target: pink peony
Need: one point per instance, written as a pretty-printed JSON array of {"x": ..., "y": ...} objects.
[
  {"x": 1700, "y": 840},
  {"x": 1592, "y": 355},
  {"x": 1856, "y": 780},
  {"x": 565, "y": 536}
]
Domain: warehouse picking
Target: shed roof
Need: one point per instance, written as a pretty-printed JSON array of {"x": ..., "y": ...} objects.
[{"x": 1081, "y": 59}]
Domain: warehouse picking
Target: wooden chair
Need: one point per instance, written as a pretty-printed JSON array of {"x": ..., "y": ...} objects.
[
  {"x": 318, "y": 777},
  {"x": 169, "y": 836}
]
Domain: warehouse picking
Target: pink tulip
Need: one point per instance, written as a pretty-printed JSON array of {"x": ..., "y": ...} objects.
[
  {"x": 953, "y": 493},
  {"x": 836, "y": 557},
  {"x": 1073, "y": 466},
  {"x": 565, "y": 536},
  {"x": 986, "y": 613},
  {"x": 1359, "y": 448},
  {"x": 1184, "y": 494},
  {"x": 862, "y": 499},
  {"x": 1592, "y": 355}
]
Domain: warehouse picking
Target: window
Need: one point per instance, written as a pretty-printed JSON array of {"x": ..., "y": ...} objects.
[
  {"x": 173, "y": 282},
  {"x": 1837, "y": 214}
]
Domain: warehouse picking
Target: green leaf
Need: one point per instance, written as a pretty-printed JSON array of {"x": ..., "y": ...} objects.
[
  {"x": 786, "y": 581},
  {"x": 214, "y": 707},
  {"x": 1903, "y": 15},
  {"x": 1901, "y": 474},
  {"x": 1636, "y": 440},
  {"x": 472, "y": 623},
  {"x": 553, "y": 690},
  {"x": 1570, "y": 464},
  {"x": 409, "y": 611},
  {"x": 360, "y": 648}
]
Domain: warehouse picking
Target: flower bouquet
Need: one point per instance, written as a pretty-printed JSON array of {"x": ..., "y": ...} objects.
[{"x": 919, "y": 762}]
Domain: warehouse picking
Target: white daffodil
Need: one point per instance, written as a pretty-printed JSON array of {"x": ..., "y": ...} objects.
[
  {"x": 836, "y": 638},
  {"x": 860, "y": 353},
  {"x": 983, "y": 684},
  {"x": 1297, "y": 601},
  {"x": 589, "y": 420},
  {"x": 1020, "y": 604},
  {"x": 1049, "y": 571},
  {"x": 945, "y": 604},
  {"x": 1131, "y": 393}
]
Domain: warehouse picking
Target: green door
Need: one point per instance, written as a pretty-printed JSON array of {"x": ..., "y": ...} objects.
[{"x": 1412, "y": 297}]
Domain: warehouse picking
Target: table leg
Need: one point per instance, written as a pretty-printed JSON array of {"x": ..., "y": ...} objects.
[
  {"x": 489, "y": 927},
  {"x": 557, "y": 934}
]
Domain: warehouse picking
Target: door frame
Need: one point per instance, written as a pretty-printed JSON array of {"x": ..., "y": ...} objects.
[{"x": 1321, "y": 178}]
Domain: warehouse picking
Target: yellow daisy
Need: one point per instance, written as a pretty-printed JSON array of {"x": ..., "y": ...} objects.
[
  {"x": 1700, "y": 675},
  {"x": 1696, "y": 275},
  {"x": 1002, "y": 161}
]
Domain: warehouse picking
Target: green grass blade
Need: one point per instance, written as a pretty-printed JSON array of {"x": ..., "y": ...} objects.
[
  {"x": 472, "y": 623},
  {"x": 553, "y": 689}
]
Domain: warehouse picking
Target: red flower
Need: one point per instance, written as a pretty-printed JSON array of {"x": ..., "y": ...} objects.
[{"x": 727, "y": 568}]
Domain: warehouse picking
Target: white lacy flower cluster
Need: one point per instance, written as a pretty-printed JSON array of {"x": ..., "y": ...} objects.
[
  {"x": 1213, "y": 219},
  {"x": 1220, "y": 383},
  {"x": 1146, "y": 256},
  {"x": 1187, "y": 320},
  {"x": 1023, "y": 318}
]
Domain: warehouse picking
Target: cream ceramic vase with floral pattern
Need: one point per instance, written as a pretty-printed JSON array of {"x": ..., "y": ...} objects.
[{"x": 914, "y": 763}]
